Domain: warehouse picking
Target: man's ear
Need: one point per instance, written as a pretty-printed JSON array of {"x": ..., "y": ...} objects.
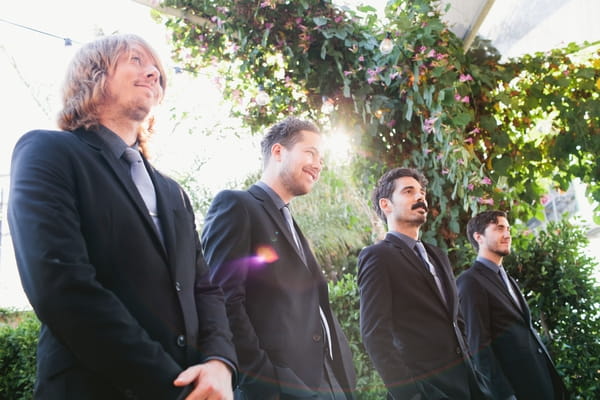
[
  {"x": 276, "y": 150},
  {"x": 385, "y": 205}
]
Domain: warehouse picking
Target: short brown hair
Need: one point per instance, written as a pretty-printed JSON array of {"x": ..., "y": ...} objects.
[
  {"x": 286, "y": 134},
  {"x": 387, "y": 184},
  {"x": 481, "y": 221}
]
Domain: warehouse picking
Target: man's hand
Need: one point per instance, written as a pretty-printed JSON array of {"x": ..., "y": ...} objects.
[{"x": 211, "y": 380}]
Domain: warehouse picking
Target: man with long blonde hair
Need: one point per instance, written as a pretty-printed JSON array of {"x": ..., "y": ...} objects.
[{"x": 107, "y": 248}]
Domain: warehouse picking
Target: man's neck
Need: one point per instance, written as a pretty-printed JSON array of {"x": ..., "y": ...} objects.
[
  {"x": 411, "y": 231},
  {"x": 493, "y": 257},
  {"x": 126, "y": 130},
  {"x": 277, "y": 187}
]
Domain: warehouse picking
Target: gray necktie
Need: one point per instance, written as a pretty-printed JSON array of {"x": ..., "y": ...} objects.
[
  {"x": 423, "y": 253},
  {"x": 324, "y": 324},
  {"x": 142, "y": 181},
  {"x": 288, "y": 218},
  {"x": 504, "y": 278}
]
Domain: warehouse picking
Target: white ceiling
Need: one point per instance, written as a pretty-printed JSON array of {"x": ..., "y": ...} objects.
[{"x": 517, "y": 27}]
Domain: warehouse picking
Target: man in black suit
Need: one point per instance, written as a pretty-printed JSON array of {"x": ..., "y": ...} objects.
[
  {"x": 409, "y": 316},
  {"x": 107, "y": 248},
  {"x": 507, "y": 349},
  {"x": 289, "y": 343}
]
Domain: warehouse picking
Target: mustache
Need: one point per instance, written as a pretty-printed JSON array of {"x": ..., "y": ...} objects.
[{"x": 420, "y": 204}]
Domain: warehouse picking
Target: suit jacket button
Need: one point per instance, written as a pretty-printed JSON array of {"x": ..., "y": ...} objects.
[
  {"x": 178, "y": 286},
  {"x": 316, "y": 338},
  {"x": 458, "y": 350},
  {"x": 181, "y": 341},
  {"x": 540, "y": 350}
]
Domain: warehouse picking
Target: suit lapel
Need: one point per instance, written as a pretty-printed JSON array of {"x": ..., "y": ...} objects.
[
  {"x": 124, "y": 178},
  {"x": 279, "y": 220},
  {"x": 165, "y": 211},
  {"x": 522, "y": 302},
  {"x": 415, "y": 262},
  {"x": 447, "y": 277},
  {"x": 496, "y": 281}
]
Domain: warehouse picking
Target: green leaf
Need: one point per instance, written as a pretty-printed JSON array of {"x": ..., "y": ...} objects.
[{"x": 320, "y": 21}]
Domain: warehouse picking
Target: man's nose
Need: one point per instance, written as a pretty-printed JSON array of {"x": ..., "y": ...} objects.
[{"x": 152, "y": 73}]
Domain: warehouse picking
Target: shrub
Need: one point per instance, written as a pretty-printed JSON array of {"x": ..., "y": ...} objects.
[
  {"x": 344, "y": 299},
  {"x": 557, "y": 279},
  {"x": 18, "y": 342}
]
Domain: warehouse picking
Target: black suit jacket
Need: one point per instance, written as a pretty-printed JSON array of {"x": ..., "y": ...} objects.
[
  {"x": 121, "y": 314},
  {"x": 506, "y": 347},
  {"x": 415, "y": 341},
  {"x": 272, "y": 298}
]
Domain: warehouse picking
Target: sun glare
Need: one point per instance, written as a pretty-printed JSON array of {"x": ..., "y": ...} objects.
[{"x": 338, "y": 147}]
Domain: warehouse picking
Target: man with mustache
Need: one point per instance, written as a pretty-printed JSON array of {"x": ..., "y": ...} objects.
[
  {"x": 409, "y": 316},
  {"x": 506, "y": 347}
]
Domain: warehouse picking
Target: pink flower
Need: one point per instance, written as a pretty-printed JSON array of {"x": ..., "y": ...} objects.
[
  {"x": 346, "y": 73},
  {"x": 445, "y": 171},
  {"x": 486, "y": 181},
  {"x": 269, "y": 25},
  {"x": 371, "y": 79},
  {"x": 338, "y": 19},
  {"x": 488, "y": 201},
  {"x": 475, "y": 130},
  {"x": 427, "y": 151},
  {"x": 428, "y": 125},
  {"x": 361, "y": 58},
  {"x": 431, "y": 53},
  {"x": 440, "y": 56},
  {"x": 461, "y": 161},
  {"x": 439, "y": 156},
  {"x": 462, "y": 99},
  {"x": 469, "y": 140},
  {"x": 422, "y": 49},
  {"x": 391, "y": 123},
  {"x": 465, "y": 78},
  {"x": 470, "y": 186}
]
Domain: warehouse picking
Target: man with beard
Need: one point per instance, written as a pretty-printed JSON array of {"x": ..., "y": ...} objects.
[
  {"x": 409, "y": 315},
  {"x": 107, "y": 247},
  {"x": 507, "y": 349},
  {"x": 289, "y": 343}
]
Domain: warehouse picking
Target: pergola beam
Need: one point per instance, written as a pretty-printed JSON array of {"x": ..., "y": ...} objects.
[{"x": 174, "y": 12}]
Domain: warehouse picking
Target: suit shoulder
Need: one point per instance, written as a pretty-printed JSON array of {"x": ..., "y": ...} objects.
[
  {"x": 44, "y": 138},
  {"x": 231, "y": 195},
  {"x": 373, "y": 248},
  {"x": 468, "y": 279}
]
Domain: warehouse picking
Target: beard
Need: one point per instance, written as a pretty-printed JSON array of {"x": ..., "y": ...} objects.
[
  {"x": 292, "y": 185},
  {"x": 501, "y": 253}
]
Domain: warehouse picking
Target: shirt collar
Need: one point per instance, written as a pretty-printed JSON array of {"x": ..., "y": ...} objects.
[
  {"x": 490, "y": 264},
  {"x": 115, "y": 144},
  {"x": 410, "y": 242},
  {"x": 279, "y": 203}
]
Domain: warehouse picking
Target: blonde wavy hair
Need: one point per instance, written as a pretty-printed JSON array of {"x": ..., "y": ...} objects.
[{"x": 84, "y": 88}]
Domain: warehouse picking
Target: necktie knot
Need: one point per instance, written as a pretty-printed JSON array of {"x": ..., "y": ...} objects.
[{"x": 132, "y": 155}]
